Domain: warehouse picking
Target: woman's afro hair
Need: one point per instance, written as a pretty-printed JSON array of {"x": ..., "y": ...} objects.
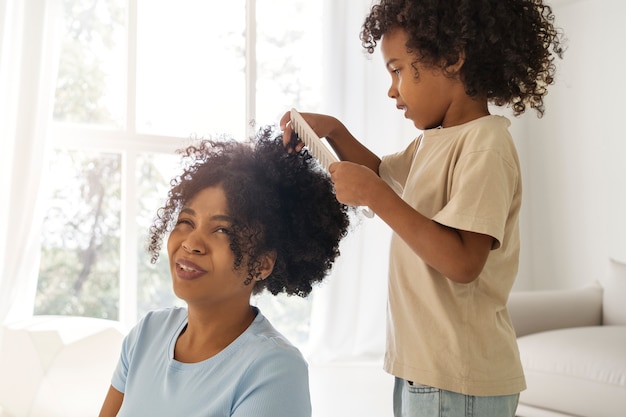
[
  {"x": 282, "y": 202},
  {"x": 508, "y": 45}
]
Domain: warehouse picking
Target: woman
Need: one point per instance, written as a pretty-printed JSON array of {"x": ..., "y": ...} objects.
[{"x": 242, "y": 218}]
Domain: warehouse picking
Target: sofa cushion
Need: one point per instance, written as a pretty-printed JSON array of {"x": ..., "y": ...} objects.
[
  {"x": 613, "y": 305},
  {"x": 540, "y": 311},
  {"x": 581, "y": 371},
  {"x": 59, "y": 366}
]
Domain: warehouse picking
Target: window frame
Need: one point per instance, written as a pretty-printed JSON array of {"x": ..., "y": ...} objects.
[{"x": 129, "y": 144}]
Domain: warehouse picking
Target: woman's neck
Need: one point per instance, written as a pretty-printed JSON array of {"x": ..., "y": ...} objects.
[{"x": 208, "y": 332}]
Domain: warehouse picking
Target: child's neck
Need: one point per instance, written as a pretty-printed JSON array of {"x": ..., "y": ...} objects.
[{"x": 464, "y": 109}]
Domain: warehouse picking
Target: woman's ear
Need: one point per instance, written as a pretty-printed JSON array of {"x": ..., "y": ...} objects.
[{"x": 266, "y": 266}]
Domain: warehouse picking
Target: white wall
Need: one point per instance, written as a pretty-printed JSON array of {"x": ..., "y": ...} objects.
[{"x": 574, "y": 158}]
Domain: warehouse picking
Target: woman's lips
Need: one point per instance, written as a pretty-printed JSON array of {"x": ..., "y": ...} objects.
[{"x": 188, "y": 270}]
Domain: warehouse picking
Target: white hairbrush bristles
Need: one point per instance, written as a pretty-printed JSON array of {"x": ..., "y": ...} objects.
[{"x": 311, "y": 140}]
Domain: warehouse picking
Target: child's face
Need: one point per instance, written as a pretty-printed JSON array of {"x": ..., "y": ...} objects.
[
  {"x": 201, "y": 260},
  {"x": 428, "y": 99}
]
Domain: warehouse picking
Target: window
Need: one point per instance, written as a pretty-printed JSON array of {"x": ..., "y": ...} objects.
[{"x": 136, "y": 79}]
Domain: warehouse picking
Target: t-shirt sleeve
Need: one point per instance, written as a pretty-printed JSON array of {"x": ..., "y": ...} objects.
[
  {"x": 482, "y": 193},
  {"x": 394, "y": 169},
  {"x": 118, "y": 381},
  {"x": 277, "y": 386}
]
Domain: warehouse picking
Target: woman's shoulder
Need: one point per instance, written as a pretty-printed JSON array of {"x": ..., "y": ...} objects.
[
  {"x": 166, "y": 313},
  {"x": 162, "y": 319},
  {"x": 271, "y": 355},
  {"x": 274, "y": 341}
]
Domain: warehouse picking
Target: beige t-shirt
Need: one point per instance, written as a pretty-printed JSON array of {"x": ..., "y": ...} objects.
[{"x": 457, "y": 337}]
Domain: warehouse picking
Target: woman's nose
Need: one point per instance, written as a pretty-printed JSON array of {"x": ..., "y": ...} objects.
[
  {"x": 193, "y": 245},
  {"x": 193, "y": 250}
]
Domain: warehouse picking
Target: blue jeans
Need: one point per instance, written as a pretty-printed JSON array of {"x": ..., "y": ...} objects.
[{"x": 415, "y": 400}]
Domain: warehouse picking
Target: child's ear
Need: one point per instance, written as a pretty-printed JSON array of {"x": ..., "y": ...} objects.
[
  {"x": 268, "y": 260},
  {"x": 456, "y": 67}
]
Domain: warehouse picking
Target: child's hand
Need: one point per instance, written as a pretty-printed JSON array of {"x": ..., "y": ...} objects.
[
  {"x": 322, "y": 125},
  {"x": 354, "y": 183},
  {"x": 290, "y": 140}
]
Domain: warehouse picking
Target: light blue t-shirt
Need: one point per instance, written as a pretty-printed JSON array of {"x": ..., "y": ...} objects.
[{"x": 259, "y": 374}]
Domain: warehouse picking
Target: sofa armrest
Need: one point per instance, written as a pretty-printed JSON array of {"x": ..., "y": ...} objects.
[{"x": 542, "y": 310}]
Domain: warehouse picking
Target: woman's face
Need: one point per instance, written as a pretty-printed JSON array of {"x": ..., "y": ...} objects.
[{"x": 201, "y": 261}]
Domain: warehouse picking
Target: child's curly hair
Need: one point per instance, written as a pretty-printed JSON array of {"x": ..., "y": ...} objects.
[
  {"x": 506, "y": 43},
  {"x": 282, "y": 202}
]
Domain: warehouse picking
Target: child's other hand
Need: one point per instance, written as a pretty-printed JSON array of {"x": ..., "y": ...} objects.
[{"x": 354, "y": 183}]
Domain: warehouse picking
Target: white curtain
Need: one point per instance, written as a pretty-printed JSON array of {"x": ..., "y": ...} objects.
[
  {"x": 28, "y": 53},
  {"x": 348, "y": 319}
]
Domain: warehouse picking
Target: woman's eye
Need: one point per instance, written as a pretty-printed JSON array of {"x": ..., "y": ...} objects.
[
  {"x": 222, "y": 230},
  {"x": 183, "y": 221}
]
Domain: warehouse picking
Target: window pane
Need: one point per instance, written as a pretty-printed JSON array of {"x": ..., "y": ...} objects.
[
  {"x": 91, "y": 80},
  {"x": 154, "y": 282},
  {"x": 288, "y": 57},
  {"x": 190, "y": 81},
  {"x": 191, "y": 67},
  {"x": 80, "y": 242}
]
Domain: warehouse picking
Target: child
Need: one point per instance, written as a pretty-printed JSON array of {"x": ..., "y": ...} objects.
[
  {"x": 453, "y": 196},
  {"x": 234, "y": 218}
]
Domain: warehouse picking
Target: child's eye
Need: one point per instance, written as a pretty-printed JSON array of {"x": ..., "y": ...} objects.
[{"x": 222, "y": 230}]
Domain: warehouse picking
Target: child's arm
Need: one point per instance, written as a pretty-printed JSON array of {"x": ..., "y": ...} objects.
[
  {"x": 346, "y": 146},
  {"x": 457, "y": 254}
]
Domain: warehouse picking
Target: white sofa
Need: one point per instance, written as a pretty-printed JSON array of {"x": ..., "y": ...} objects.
[
  {"x": 57, "y": 366},
  {"x": 573, "y": 349}
]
